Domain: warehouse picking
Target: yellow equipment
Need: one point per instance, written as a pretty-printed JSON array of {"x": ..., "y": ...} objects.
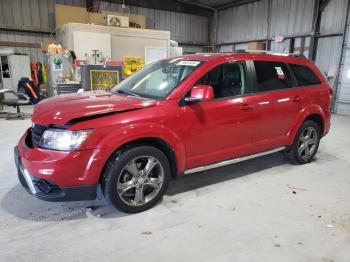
[{"x": 132, "y": 65}]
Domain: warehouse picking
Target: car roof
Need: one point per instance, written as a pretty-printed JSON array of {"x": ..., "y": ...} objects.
[{"x": 246, "y": 56}]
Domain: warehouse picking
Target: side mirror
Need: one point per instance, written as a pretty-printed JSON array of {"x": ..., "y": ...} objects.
[{"x": 200, "y": 93}]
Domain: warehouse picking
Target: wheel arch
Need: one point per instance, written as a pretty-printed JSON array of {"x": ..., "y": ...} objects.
[
  {"x": 314, "y": 113},
  {"x": 318, "y": 119},
  {"x": 156, "y": 142}
]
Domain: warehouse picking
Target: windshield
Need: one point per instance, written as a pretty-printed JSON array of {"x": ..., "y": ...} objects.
[{"x": 158, "y": 79}]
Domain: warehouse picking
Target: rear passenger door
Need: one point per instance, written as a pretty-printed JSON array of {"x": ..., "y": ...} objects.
[{"x": 277, "y": 103}]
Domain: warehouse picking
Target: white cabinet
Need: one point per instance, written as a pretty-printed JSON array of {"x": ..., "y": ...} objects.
[
  {"x": 12, "y": 69},
  {"x": 114, "y": 42}
]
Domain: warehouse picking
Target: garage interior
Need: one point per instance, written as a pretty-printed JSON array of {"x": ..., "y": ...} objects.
[{"x": 261, "y": 209}]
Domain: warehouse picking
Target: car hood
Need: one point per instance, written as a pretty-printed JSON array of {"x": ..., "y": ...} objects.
[{"x": 59, "y": 110}]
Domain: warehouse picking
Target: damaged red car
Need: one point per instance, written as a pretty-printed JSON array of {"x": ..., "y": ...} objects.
[{"x": 175, "y": 116}]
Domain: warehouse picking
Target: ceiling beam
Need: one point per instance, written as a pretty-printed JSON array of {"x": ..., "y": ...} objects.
[
  {"x": 167, "y": 5},
  {"x": 189, "y": 2},
  {"x": 235, "y": 3}
]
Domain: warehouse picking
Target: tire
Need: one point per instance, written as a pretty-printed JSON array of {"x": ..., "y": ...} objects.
[
  {"x": 135, "y": 179},
  {"x": 305, "y": 144}
]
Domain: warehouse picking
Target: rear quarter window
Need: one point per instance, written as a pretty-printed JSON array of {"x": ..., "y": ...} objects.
[
  {"x": 272, "y": 76},
  {"x": 304, "y": 75}
]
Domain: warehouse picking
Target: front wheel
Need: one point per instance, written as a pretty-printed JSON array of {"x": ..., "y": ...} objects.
[
  {"x": 306, "y": 143},
  {"x": 136, "y": 179}
]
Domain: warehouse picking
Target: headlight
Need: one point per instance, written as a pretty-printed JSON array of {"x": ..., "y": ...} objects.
[{"x": 64, "y": 140}]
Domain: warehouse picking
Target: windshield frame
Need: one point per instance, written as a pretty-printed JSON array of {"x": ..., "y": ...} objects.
[{"x": 116, "y": 88}]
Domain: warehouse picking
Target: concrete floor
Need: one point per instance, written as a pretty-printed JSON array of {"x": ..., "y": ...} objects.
[{"x": 260, "y": 210}]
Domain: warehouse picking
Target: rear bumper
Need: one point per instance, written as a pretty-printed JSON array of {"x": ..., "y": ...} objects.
[{"x": 45, "y": 189}]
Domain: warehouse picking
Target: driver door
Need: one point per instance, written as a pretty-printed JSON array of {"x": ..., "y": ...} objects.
[{"x": 222, "y": 128}]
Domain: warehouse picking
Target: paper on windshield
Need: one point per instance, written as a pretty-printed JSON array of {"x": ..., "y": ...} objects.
[{"x": 188, "y": 63}]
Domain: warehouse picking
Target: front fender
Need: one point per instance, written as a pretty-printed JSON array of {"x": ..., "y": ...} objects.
[
  {"x": 125, "y": 134},
  {"x": 300, "y": 118}
]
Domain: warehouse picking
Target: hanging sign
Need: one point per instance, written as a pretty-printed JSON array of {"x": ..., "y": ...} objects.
[{"x": 279, "y": 38}]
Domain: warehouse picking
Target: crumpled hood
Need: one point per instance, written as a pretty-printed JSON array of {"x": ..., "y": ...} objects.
[{"x": 59, "y": 110}]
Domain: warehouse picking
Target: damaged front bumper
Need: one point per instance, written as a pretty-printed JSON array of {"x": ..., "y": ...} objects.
[{"x": 47, "y": 190}]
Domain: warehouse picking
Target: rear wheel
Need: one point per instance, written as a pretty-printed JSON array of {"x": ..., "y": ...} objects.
[
  {"x": 306, "y": 143},
  {"x": 136, "y": 179}
]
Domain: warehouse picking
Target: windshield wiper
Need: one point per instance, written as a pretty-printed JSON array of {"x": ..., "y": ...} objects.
[{"x": 127, "y": 92}]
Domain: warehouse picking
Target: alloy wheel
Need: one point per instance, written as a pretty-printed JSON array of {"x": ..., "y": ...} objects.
[
  {"x": 140, "y": 180},
  {"x": 307, "y": 142}
]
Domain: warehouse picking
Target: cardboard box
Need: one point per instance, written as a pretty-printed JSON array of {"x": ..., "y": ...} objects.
[
  {"x": 256, "y": 46},
  {"x": 72, "y": 14}
]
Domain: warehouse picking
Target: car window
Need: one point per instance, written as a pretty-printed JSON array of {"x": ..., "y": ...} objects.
[
  {"x": 229, "y": 79},
  {"x": 272, "y": 76},
  {"x": 158, "y": 79},
  {"x": 304, "y": 75}
]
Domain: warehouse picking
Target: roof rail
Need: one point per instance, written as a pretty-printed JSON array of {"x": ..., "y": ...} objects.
[{"x": 273, "y": 53}]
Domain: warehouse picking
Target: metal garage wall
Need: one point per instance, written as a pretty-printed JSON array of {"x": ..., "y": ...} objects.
[
  {"x": 185, "y": 28},
  {"x": 32, "y": 15},
  {"x": 328, "y": 52},
  {"x": 243, "y": 23},
  {"x": 342, "y": 103},
  {"x": 333, "y": 17},
  {"x": 34, "y": 53},
  {"x": 332, "y": 22},
  {"x": 288, "y": 18},
  {"x": 291, "y": 17}
]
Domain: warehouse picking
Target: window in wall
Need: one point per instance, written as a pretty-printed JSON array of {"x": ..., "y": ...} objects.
[
  {"x": 272, "y": 76},
  {"x": 304, "y": 75},
  {"x": 227, "y": 80}
]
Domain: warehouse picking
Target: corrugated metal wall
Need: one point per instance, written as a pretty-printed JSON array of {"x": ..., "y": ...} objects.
[
  {"x": 31, "y": 14},
  {"x": 333, "y": 17},
  {"x": 332, "y": 22},
  {"x": 342, "y": 104},
  {"x": 39, "y": 15},
  {"x": 291, "y": 17},
  {"x": 35, "y": 15},
  {"x": 250, "y": 22},
  {"x": 243, "y": 23},
  {"x": 34, "y": 53},
  {"x": 328, "y": 52}
]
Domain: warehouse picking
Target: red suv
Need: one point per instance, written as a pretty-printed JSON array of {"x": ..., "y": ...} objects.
[{"x": 176, "y": 116}]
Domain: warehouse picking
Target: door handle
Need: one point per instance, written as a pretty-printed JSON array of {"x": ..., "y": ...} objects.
[
  {"x": 296, "y": 99},
  {"x": 246, "y": 107}
]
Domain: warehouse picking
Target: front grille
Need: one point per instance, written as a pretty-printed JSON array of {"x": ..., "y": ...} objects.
[{"x": 37, "y": 132}]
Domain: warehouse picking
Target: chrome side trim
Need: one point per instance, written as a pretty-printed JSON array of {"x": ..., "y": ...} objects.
[
  {"x": 28, "y": 179},
  {"x": 232, "y": 161}
]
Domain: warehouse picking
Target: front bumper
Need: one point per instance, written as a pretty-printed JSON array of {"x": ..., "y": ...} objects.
[{"x": 45, "y": 189}]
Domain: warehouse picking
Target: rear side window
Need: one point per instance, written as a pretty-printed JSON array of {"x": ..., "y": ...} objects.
[
  {"x": 304, "y": 75},
  {"x": 272, "y": 76}
]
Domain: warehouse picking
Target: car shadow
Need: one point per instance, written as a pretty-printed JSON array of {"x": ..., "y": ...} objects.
[
  {"x": 205, "y": 178},
  {"x": 25, "y": 206}
]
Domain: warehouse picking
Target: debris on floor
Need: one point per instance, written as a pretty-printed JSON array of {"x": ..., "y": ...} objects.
[{"x": 296, "y": 188}]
